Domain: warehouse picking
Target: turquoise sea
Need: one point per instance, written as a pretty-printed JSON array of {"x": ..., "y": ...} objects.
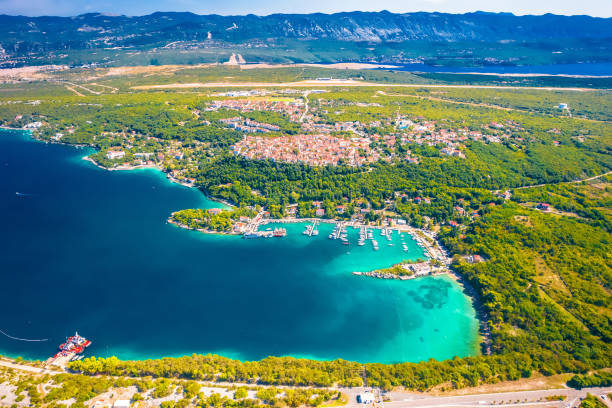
[{"x": 90, "y": 250}]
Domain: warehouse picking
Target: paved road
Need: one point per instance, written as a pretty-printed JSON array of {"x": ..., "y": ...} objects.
[
  {"x": 28, "y": 368},
  {"x": 518, "y": 399},
  {"x": 563, "y": 182},
  {"x": 305, "y": 106}
]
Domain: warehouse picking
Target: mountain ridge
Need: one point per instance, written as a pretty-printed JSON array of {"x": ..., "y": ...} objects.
[
  {"x": 23, "y": 36},
  {"x": 351, "y": 26}
]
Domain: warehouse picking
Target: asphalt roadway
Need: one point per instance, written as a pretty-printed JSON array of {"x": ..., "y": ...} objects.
[{"x": 519, "y": 399}]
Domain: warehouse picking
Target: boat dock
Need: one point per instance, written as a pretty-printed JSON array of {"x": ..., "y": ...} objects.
[
  {"x": 339, "y": 231},
  {"x": 312, "y": 229},
  {"x": 251, "y": 230},
  {"x": 268, "y": 233},
  {"x": 424, "y": 239},
  {"x": 69, "y": 351},
  {"x": 253, "y": 225},
  {"x": 61, "y": 360}
]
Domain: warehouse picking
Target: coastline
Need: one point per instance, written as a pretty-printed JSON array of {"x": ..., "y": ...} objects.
[
  {"x": 413, "y": 232},
  {"x": 170, "y": 220},
  {"x": 335, "y": 65},
  {"x": 529, "y": 75},
  {"x": 154, "y": 167},
  {"x": 120, "y": 167},
  {"x": 381, "y": 275},
  {"x": 123, "y": 166},
  {"x": 484, "y": 330},
  {"x": 296, "y": 220}
]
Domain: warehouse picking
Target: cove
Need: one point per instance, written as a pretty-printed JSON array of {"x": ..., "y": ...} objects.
[{"x": 90, "y": 250}]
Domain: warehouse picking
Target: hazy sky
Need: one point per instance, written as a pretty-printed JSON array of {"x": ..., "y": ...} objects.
[{"x": 600, "y": 8}]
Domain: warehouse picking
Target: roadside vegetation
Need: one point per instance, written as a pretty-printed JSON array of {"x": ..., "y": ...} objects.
[
  {"x": 78, "y": 391},
  {"x": 601, "y": 379},
  {"x": 591, "y": 401},
  {"x": 545, "y": 279}
]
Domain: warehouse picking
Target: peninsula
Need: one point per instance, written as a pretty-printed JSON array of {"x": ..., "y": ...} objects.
[{"x": 507, "y": 188}]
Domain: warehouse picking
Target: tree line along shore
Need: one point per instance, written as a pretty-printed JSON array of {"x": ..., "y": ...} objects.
[
  {"x": 545, "y": 277},
  {"x": 25, "y": 384}
]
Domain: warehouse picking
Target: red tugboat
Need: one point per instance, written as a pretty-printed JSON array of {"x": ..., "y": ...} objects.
[
  {"x": 69, "y": 351},
  {"x": 74, "y": 344}
]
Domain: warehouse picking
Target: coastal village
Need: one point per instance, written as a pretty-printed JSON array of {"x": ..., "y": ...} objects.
[
  {"x": 305, "y": 139},
  {"x": 302, "y": 126},
  {"x": 318, "y": 150},
  {"x": 310, "y": 127},
  {"x": 317, "y": 136}
]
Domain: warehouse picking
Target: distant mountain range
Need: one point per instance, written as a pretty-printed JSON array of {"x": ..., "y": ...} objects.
[{"x": 43, "y": 37}]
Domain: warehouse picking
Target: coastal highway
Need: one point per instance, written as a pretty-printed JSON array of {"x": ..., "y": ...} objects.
[
  {"x": 519, "y": 399},
  {"x": 23, "y": 367}
]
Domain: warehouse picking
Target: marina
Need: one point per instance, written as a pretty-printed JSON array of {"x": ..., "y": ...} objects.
[
  {"x": 395, "y": 236},
  {"x": 267, "y": 233},
  {"x": 311, "y": 230},
  {"x": 425, "y": 240},
  {"x": 262, "y": 287}
]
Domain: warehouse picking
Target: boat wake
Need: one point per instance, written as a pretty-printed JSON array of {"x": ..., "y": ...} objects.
[
  {"x": 20, "y": 339},
  {"x": 17, "y": 193}
]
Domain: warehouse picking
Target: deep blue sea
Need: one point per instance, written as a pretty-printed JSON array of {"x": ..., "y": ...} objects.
[
  {"x": 590, "y": 69},
  {"x": 87, "y": 249}
]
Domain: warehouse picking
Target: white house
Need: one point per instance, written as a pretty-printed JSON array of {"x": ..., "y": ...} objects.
[
  {"x": 122, "y": 404},
  {"x": 115, "y": 154},
  {"x": 33, "y": 125}
]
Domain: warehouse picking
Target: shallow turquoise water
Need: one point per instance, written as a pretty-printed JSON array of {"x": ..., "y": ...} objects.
[{"x": 90, "y": 250}]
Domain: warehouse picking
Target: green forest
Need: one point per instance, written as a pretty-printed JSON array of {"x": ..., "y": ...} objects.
[
  {"x": 538, "y": 325},
  {"x": 210, "y": 220},
  {"x": 53, "y": 390},
  {"x": 545, "y": 284}
]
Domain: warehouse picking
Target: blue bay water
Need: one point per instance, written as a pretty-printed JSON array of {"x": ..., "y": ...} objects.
[
  {"x": 589, "y": 69},
  {"x": 90, "y": 250}
]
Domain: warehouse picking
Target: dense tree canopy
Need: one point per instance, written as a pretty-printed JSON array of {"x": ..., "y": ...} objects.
[{"x": 544, "y": 285}]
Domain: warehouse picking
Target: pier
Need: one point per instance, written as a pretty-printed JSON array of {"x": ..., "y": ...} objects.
[
  {"x": 61, "y": 360},
  {"x": 312, "y": 229},
  {"x": 253, "y": 225},
  {"x": 251, "y": 229},
  {"x": 71, "y": 350},
  {"x": 424, "y": 239},
  {"x": 339, "y": 229}
]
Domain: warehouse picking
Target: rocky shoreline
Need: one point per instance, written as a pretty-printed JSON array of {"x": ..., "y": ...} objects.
[
  {"x": 122, "y": 166},
  {"x": 202, "y": 230},
  {"x": 388, "y": 275}
]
